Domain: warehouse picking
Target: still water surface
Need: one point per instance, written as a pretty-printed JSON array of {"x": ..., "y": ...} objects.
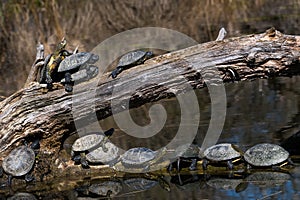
[{"x": 257, "y": 111}]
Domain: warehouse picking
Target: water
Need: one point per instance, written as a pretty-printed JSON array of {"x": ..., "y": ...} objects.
[{"x": 257, "y": 111}]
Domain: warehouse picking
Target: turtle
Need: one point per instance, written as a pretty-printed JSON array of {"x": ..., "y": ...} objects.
[
  {"x": 139, "y": 159},
  {"x": 79, "y": 66},
  {"x": 20, "y": 162},
  {"x": 48, "y": 72},
  {"x": 108, "y": 155},
  {"x": 223, "y": 152},
  {"x": 87, "y": 143},
  {"x": 131, "y": 59},
  {"x": 187, "y": 152},
  {"x": 266, "y": 155}
]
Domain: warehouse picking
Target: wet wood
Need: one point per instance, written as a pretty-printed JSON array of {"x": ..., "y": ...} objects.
[{"x": 34, "y": 112}]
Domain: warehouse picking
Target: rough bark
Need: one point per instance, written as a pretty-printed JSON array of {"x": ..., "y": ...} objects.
[{"x": 34, "y": 112}]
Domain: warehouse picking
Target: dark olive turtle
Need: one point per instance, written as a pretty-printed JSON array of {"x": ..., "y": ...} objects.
[
  {"x": 81, "y": 75},
  {"x": 79, "y": 65},
  {"x": 131, "y": 59},
  {"x": 223, "y": 152},
  {"x": 108, "y": 155},
  {"x": 266, "y": 155},
  {"x": 88, "y": 142},
  {"x": 189, "y": 153},
  {"x": 75, "y": 61},
  {"x": 49, "y": 73},
  {"x": 19, "y": 162}
]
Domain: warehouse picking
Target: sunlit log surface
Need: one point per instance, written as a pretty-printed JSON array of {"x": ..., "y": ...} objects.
[{"x": 34, "y": 112}]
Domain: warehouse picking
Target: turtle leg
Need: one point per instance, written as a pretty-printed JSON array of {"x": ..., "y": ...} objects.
[
  {"x": 35, "y": 144},
  {"x": 83, "y": 161},
  {"x": 68, "y": 82},
  {"x": 170, "y": 167},
  {"x": 49, "y": 82},
  {"x": 289, "y": 160},
  {"x": 230, "y": 165},
  {"x": 193, "y": 166},
  {"x": 1, "y": 171},
  {"x": 29, "y": 178},
  {"x": 77, "y": 159},
  {"x": 9, "y": 180},
  {"x": 204, "y": 164},
  {"x": 116, "y": 71},
  {"x": 178, "y": 164}
]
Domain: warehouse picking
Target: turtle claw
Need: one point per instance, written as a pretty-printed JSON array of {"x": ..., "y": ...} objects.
[{"x": 68, "y": 82}]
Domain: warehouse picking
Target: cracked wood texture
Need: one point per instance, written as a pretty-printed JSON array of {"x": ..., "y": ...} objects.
[{"x": 34, "y": 112}]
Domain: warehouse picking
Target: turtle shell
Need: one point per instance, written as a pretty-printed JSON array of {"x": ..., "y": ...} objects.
[
  {"x": 22, "y": 195},
  {"x": 266, "y": 154},
  {"x": 76, "y": 60},
  {"x": 137, "y": 156},
  {"x": 19, "y": 161},
  {"x": 188, "y": 151},
  {"x": 84, "y": 74},
  {"x": 221, "y": 152},
  {"x": 134, "y": 57},
  {"x": 87, "y": 142},
  {"x": 99, "y": 155}
]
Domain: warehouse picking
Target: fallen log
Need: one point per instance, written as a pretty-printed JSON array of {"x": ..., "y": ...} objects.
[{"x": 35, "y": 112}]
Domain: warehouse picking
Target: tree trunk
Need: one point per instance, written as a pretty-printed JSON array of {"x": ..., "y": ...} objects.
[{"x": 35, "y": 112}]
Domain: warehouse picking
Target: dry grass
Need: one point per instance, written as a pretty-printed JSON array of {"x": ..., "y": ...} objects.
[{"x": 87, "y": 23}]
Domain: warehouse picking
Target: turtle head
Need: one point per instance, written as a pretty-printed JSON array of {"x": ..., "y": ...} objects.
[
  {"x": 61, "y": 45},
  {"x": 149, "y": 54}
]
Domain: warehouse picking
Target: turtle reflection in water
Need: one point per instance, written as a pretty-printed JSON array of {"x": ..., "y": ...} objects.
[
  {"x": 238, "y": 185},
  {"x": 267, "y": 155},
  {"x": 268, "y": 179},
  {"x": 106, "y": 189},
  {"x": 147, "y": 182},
  {"x": 131, "y": 59}
]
